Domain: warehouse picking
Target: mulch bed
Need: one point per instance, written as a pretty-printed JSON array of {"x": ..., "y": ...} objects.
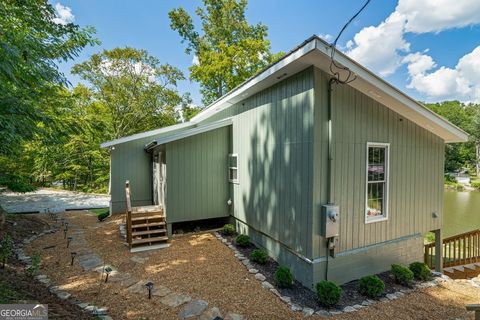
[
  {"x": 24, "y": 289},
  {"x": 304, "y": 296}
]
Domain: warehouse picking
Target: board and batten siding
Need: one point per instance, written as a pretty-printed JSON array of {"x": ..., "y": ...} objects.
[
  {"x": 197, "y": 176},
  {"x": 415, "y": 172},
  {"x": 273, "y": 137},
  {"x": 129, "y": 161}
]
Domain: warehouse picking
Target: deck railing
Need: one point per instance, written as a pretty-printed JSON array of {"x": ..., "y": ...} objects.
[
  {"x": 458, "y": 250},
  {"x": 129, "y": 213}
]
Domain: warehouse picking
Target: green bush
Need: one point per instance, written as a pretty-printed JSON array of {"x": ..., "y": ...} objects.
[
  {"x": 242, "y": 240},
  {"x": 259, "y": 256},
  {"x": 475, "y": 184},
  {"x": 371, "y": 286},
  {"x": 16, "y": 183},
  {"x": 102, "y": 216},
  {"x": 402, "y": 274},
  {"x": 328, "y": 293},
  {"x": 283, "y": 277},
  {"x": 450, "y": 179},
  {"x": 6, "y": 249},
  {"x": 228, "y": 229},
  {"x": 420, "y": 270},
  {"x": 33, "y": 268}
]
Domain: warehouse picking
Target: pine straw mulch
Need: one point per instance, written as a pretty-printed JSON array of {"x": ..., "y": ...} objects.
[{"x": 202, "y": 267}]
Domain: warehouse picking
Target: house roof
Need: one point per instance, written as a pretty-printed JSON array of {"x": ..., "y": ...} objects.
[
  {"x": 317, "y": 52},
  {"x": 189, "y": 132}
]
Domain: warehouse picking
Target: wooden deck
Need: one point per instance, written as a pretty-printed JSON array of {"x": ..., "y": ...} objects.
[{"x": 461, "y": 255}]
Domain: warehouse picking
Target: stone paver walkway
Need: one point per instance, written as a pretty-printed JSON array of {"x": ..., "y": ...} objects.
[{"x": 55, "y": 200}]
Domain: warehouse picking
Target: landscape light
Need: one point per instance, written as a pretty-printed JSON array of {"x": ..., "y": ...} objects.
[
  {"x": 68, "y": 241},
  {"x": 62, "y": 221},
  {"x": 65, "y": 233},
  {"x": 66, "y": 226},
  {"x": 149, "y": 286},
  {"x": 72, "y": 254},
  {"x": 107, "y": 271}
]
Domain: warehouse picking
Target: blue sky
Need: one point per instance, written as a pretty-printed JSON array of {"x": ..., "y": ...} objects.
[{"x": 424, "y": 47}]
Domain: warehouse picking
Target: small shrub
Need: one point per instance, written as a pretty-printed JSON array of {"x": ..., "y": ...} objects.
[
  {"x": 33, "y": 268},
  {"x": 420, "y": 270},
  {"x": 102, "y": 216},
  {"x": 459, "y": 187},
  {"x": 450, "y": 179},
  {"x": 475, "y": 184},
  {"x": 328, "y": 293},
  {"x": 242, "y": 240},
  {"x": 371, "y": 286},
  {"x": 402, "y": 274},
  {"x": 283, "y": 277},
  {"x": 228, "y": 229},
  {"x": 259, "y": 256},
  {"x": 6, "y": 249}
]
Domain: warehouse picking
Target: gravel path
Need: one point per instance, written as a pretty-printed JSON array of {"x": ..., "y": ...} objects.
[
  {"x": 199, "y": 275},
  {"x": 55, "y": 200}
]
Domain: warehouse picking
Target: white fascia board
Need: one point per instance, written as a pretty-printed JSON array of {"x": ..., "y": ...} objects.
[
  {"x": 147, "y": 134},
  {"x": 193, "y": 131},
  {"x": 374, "y": 80},
  {"x": 223, "y": 102}
]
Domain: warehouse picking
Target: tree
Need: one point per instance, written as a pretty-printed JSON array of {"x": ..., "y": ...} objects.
[
  {"x": 139, "y": 93},
  {"x": 30, "y": 45},
  {"x": 228, "y": 52},
  {"x": 467, "y": 117}
]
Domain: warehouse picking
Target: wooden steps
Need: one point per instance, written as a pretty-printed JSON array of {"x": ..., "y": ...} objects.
[
  {"x": 467, "y": 271},
  {"x": 146, "y": 226}
]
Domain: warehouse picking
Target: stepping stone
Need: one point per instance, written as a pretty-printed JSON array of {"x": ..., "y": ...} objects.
[
  {"x": 82, "y": 305},
  {"x": 308, "y": 311},
  {"x": 349, "y": 309},
  {"x": 175, "y": 299},
  {"x": 253, "y": 270},
  {"x": 210, "y": 314},
  {"x": 295, "y": 307},
  {"x": 138, "y": 259},
  {"x": 127, "y": 282},
  {"x": 139, "y": 287},
  {"x": 161, "y": 291},
  {"x": 260, "y": 277},
  {"x": 63, "y": 295},
  {"x": 91, "y": 261},
  {"x": 192, "y": 309}
]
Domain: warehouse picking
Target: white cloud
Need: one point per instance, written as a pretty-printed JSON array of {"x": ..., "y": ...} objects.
[
  {"x": 379, "y": 47},
  {"x": 326, "y": 36},
  {"x": 64, "y": 14},
  {"x": 195, "y": 60},
  {"x": 437, "y": 15},
  {"x": 461, "y": 82},
  {"x": 383, "y": 47}
]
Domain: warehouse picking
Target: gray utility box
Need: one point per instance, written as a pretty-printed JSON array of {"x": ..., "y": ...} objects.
[{"x": 330, "y": 224}]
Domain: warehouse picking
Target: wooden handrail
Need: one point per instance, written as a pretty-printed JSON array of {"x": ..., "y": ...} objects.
[
  {"x": 458, "y": 250},
  {"x": 129, "y": 213}
]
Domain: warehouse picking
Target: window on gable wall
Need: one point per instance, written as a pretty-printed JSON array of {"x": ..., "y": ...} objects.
[
  {"x": 377, "y": 181},
  {"x": 233, "y": 168}
]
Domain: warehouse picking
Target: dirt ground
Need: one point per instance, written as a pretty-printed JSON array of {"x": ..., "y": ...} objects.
[
  {"x": 202, "y": 267},
  {"x": 16, "y": 287}
]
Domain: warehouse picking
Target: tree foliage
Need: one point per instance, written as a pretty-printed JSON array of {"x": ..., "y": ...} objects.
[
  {"x": 138, "y": 92},
  {"x": 30, "y": 45},
  {"x": 229, "y": 50},
  {"x": 466, "y": 116}
]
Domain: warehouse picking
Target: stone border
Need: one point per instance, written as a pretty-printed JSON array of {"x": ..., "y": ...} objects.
[
  {"x": 100, "y": 313},
  {"x": 326, "y": 313}
]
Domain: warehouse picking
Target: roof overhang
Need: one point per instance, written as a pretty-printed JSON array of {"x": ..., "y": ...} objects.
[
  {"x": 317, "y": 52},
  {"x": 188, "y": 133}
]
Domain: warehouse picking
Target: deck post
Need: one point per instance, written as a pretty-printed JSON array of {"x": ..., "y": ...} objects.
[
  {"x": 475, "y": 308},
  {"x": 438, "y": 250},
  {"x": 169, "y": 230}
]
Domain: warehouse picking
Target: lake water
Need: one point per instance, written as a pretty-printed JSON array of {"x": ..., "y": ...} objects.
[{"x": 462, "y": 212}]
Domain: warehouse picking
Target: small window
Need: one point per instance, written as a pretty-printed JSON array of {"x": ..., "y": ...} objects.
[
  {"x": 377, "y": 181},
  {"x": 233, "y": 168}
]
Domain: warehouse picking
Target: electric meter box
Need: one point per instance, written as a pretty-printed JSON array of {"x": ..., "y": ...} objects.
[{"x": 330, "y": 217}]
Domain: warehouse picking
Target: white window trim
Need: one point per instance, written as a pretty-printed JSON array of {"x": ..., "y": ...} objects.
[
  {"x": 386, "y": 195},
  {"x": 236, "y": 168}
]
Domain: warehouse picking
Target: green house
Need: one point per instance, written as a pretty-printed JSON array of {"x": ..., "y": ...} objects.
[{"x": 333, "y": 180}]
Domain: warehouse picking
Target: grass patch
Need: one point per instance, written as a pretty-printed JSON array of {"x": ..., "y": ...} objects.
[
  {"x": 99, "y": 211},
  {"x": 7, "y": 294}
]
